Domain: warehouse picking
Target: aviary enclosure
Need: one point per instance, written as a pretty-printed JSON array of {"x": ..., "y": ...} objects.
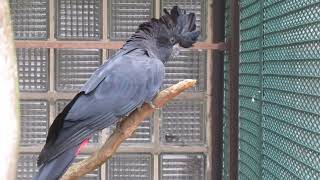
[{"x": 254, "y": 114}]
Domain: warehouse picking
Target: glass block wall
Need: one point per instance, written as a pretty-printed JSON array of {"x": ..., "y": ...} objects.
[
  {"x": 191, "y": 166},
  {"x": 78, "y": 20},
  {"x": 74, "y": 67},
  {"x": 130, "y": 166},
  {"x": 279, "y": 97},
  {"x": 51, "y": 72},
  {"x": 33, "y": 67},
  {"x": 189, "y": 64},
  {"x": 30, "y": 19},
  {"x": 125, "y": 16}
]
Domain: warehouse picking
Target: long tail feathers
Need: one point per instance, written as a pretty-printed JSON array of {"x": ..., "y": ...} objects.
[{"x": 54, "y": 169}]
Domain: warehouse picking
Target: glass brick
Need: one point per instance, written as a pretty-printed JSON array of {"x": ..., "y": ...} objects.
[
  {"x": 94, "y": 175},
  {"x": 34, "y": 122},
  {"x": 60, "y": 104},
  {"x": 33, "y": 65},
  {"x": 183, "y": 122},
  {"x": 142, "y": 134},
  {"x": 195, "y": 6},
  {"x": 26, "y": 166},
  {"x": 74, "y": 67},
  {"x": 30, "y": 19},
  {"x": 111, "y": 52},
  {"x": 79, "y": 19},
  {"x": 182, "y": 167},
  {"x": 126, "y": 15},
  {"x": 189, "y": 64},
  {"x": 130, "y": 166}
]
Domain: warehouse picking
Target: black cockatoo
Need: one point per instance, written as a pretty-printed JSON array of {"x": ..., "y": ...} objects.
[{"x": 131, "y": 77}]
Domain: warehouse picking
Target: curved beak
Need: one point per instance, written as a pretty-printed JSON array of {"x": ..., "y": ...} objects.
[{"x": 175, "y": 51}]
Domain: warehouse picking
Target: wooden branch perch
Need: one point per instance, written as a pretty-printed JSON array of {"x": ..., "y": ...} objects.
[
  {"x": 127, "y": 127},
  {"x": 9, "y": 95}
]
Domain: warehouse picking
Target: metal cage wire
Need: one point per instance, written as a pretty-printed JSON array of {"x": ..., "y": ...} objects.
[{"x": 278, "y": 91}]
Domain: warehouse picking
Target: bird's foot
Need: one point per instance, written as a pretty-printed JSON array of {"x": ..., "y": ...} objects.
[
  {"x": 118, "y": 124},
  {"x": 152, "y": 105},
  {"x": 139, "y": 108},
  {"x": 118, "y": 127}
]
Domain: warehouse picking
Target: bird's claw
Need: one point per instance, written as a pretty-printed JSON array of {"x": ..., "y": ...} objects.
[
  {"x": 139, "y": 108},
  {"x": 118, "y": 124},
  {"x": 153, "y": 106}
]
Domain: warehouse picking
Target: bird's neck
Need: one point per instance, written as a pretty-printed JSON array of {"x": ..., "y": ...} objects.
[
  {"x": 146, "y": 38},
  {"x": 148, "y": 44}
]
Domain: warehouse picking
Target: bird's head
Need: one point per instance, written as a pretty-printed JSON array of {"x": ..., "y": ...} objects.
[
  {"x": 176, "y": 28},
  {"x": 173, "y": 28}
]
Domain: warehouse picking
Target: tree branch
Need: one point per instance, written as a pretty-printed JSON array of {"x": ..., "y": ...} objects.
[
  {"x": 9, "y": 95},
  {"x": 127, "y": 127}
]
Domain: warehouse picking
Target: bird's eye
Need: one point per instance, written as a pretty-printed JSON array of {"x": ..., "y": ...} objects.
[
  {"x": 172, "y": 40},
  {"x": 163, "y": 40}
]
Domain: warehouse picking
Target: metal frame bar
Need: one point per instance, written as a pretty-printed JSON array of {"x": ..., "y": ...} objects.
[
  {"x": 102, "y": 44},
  {"x": 216, "y": 89},
  {"x": 104, "y": 20},
  {"x": 234, "y": 91},
  {"x": 54, "y": 95}
]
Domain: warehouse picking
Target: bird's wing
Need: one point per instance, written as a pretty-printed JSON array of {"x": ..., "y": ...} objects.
[{"x": 113, "y": 91}]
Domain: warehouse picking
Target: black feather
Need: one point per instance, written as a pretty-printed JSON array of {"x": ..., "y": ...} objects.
[
  {"x": 56, "y": 127},
  {"x": 160, "y": 35}
]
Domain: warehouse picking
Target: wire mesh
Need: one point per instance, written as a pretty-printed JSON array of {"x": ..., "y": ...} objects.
[
  {"x": 78, "y": 19},
  {"x": 30, "y": 19},
  {"x": 279, "y": 90},
  {"x": 34, "y": 122},
  {"x": 225, "y": 156},
  {"x": 183, "y": 122},
  {"x": 33, "y": 67},
  {"x": 130, "y": 166},
  {"x": 196, "y": 6},
  {"x": 126, "y": 15},
  {"x": 182, "y": 167},
  {"x": 250, "y": 139},
  {"x": 75, "y": 66},
  {"x": 291, "y": 89}
]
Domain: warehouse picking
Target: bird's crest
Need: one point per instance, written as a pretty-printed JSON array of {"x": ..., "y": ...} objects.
[{"x": 175, "y": 27}]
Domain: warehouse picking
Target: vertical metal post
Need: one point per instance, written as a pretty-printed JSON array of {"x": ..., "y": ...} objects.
[
  {"x": 233, "y": 89},
  {"x": 216, "y": 88}
]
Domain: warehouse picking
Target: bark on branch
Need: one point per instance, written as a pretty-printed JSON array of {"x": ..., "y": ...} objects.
[
  {"x": 127, "y": 127},
  {"x": 9, "y": 103}
]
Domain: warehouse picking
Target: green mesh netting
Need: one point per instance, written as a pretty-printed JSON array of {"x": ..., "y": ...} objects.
[
  {"x": 250, "y": 68},
  {"x": 291, "y": 88},
  {"x": 279, "y": 90},
  {"x": 225, "y": 157}
]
